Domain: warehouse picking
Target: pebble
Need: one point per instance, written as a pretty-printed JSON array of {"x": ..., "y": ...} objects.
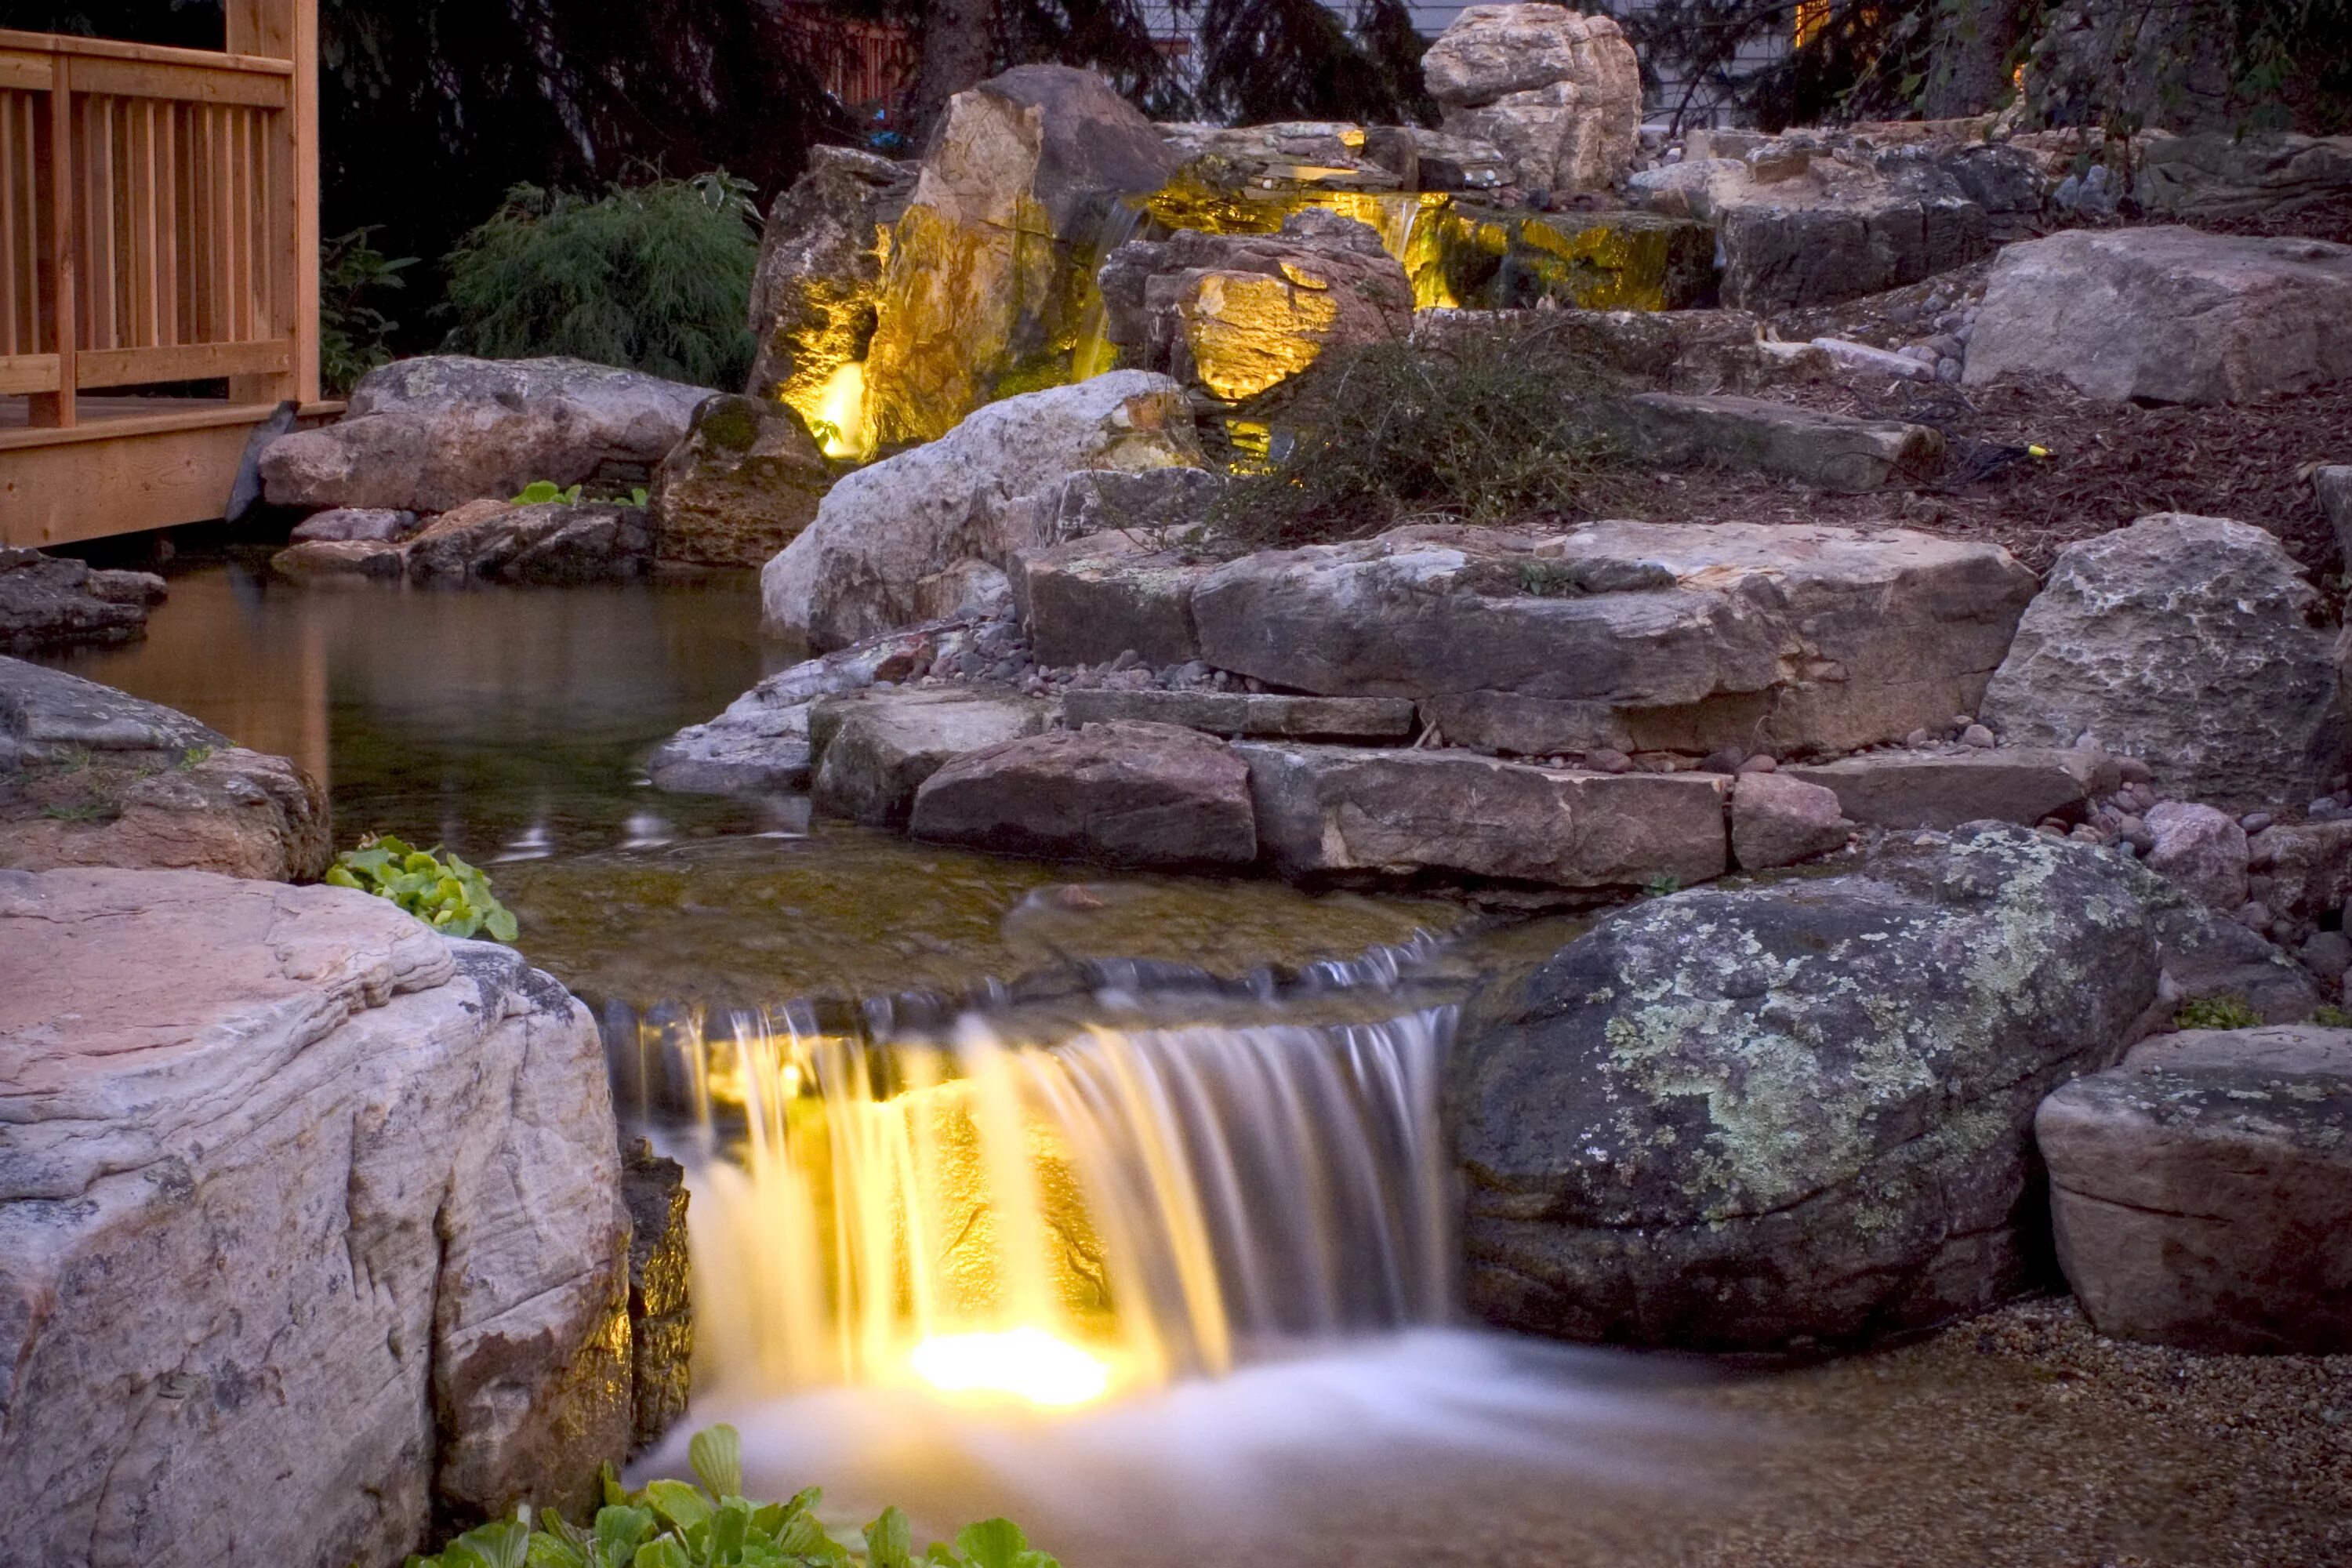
[
  {"x": 1723, "y": 762},
  {"x": 1609, "y": 761},
  {"x": 2254, "y": 915},
  {"x": 2323, "y": 808},
  {"x": 1761, "y": 762},
  {"x": 1977, "y": 735},
  {"x": 1918, "y": 738},
  {"x": 1949, "y": 371},
  {"x": 2253, "y": 822},
  {"x": 2134, "y": 771}
]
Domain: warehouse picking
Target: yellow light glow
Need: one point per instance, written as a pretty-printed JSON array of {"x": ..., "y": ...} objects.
[
  {"x": 1027, "y": 1364},
  {"x": 839, "y": 419}
]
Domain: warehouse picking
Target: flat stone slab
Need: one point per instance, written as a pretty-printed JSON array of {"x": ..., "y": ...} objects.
[
  {"x": 875, "y": 748},
  {"x": 1827, "y": 451},
  {"x": 1326, "y": 809},
  {"x": 2202, "y": 1192},
  {"x": 1943, "y": 789},
  {"x": 1126, "y": 792},
  {"x": 51, "y": 601},
  {"x": 1249, "y": 713}
]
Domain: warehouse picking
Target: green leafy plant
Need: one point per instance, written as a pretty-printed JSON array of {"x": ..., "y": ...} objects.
[
  {"x": 538, "y": 493},
  {"x": 2222, "y": 1010},
  {"x": 449, "y": 895},
  {"x": 654, "y": 277},
  {"x": 2328, "y": 1015},
  {"x": 673, "y": 1524},
  {"x": 355, "y": 337},
  {"x": 196, "y": 756}
]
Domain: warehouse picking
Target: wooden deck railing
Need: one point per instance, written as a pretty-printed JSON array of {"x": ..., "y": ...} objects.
[{"x": 158, "y": 212}]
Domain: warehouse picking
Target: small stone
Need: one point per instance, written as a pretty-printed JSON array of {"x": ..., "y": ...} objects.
[
  {"x": 1918, "y": 739},
  {"x": 2322, "y": 809},
  {"x": 1978, "y": 736},
  {"x": 2253, "y": 822},
  {"x": 1609, "y": 761},
  {"x": 2327, "y": 954},
  {"x": 1761, "y": 762},
  {"x": 1962, "y": 721},
  {"x": 1949, "y": 371},
  {"x": 2135, "y": 770},
  {"x": 1722, "y": 761},
  {"x": 2254, "y": 915},
  {"x": 2203, "y": 853}
]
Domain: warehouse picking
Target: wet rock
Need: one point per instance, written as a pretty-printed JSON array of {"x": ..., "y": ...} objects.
[
  {"x": 851, "y": 573},
  {"x": 2199, "y": 1192},
  {"x": 1927, "y": 788},
  {"x": 874, "y": 749},
  {"x": 344, "y": 560},
  {"x": 1827, "y": 451},
  {"x": 1559, "y": 93},
  {"x": 53, "y": 601},
  {"x": 431, "y": 433},
  {"x": 350, "y": 523},
  {"x": 1628, "y": 635},
  {"x": 2200, "y": 851},
  {"x": 661, "y": 1305},
  {"x": 1779, "y": 820},
  {"x": 1289, "y": 155},
  {"x": 822, "y": 252},
  {"x": 552, "y": 543},
  {"x": 2183, "y": 641},
  {"x": 1245, "y": 713},
  {"x": 348, "y": 1214},
  {"x": 90, "y": 776},
  {"x": 1793, "y": 1115},
  {"x": 1323, "y": 810},
  {"x": 1234, "y": 314},
  {"x": 981, "y": 294},
  {"x": 1124, "y": 793},
  {"x": 740, "y": 487},
  {"x": 2171, "y": 315},
  {"x": 1514, "y": 258}
]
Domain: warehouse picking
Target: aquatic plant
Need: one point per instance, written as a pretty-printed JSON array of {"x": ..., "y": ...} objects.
[
  {"x": 674, "y": 1524},
  {"x": 2224, "y": 1010},
  {"x": 449, "y": 895}
]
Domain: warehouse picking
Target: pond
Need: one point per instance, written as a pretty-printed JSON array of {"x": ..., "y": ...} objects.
[{"x": 1214, "y": 1212}]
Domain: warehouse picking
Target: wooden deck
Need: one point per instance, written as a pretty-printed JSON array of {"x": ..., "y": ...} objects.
[{"x": 159, "y": 224}]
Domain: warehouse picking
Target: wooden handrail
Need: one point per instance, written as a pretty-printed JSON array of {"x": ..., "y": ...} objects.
[{"x": 159, "y": 212}]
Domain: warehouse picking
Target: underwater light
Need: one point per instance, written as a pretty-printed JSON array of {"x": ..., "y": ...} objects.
[{"x": 1027, "y": 1364}]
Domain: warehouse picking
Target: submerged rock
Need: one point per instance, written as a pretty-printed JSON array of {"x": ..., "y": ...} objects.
[
  {"x": 299, "y": 1199},
  {"x": 1794, "y": 1114},
  {"x": 430, "y": 434},
  {"x": 740, "y": 487},
  {"x": 53, "y": 601},
  {"x": 1559, "y": 93}
]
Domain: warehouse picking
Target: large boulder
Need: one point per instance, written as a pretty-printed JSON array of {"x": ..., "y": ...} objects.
[
  {"x": 983, "y": 294},
  {"x": 90, "y": 776},
  {"x": 298, "y": 1200},
  {"x": 53, "y": 601},
  {"x": 1795, "y": 1114},
  {"x": 2171, "y": 315},
  {"x": 856, "y": 570},
  {"x": 822, "y": 254},
  {"x": 1840, "y": 223},
  {"x": 430, "y": 434},
  {"x": 1327, "y": 811},
  {"x": 875, "y": 748},
  {"x": 1559, "y": 93},
  {"x": 1629, "y": 636},
  {"x": 1125, "y": 793},
  {"x": 740, "y": 487},
  {"x": 2202, "y": 1192},
  {"x": 2186, "y": 641},
  {"x": 1234, "y": 314}
]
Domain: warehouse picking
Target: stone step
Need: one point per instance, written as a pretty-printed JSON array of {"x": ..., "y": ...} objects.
[
  {"x": 1249, "y": 713},
  {"x": 1943, "y": 789},
  {"x": 1827, "y": 451}
]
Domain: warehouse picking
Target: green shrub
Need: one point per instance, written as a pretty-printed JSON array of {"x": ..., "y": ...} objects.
[
  {"x": 671, "y": 1524},
  {"x": 655, "y": 278},
  {"x": 2328, "y": 1015},
  {"x": 450, "y": 896},
  {"x": 1495, "y": 425},
  {"x": 2223, "y": 1010},
  {"x": 355, "y": 337}
]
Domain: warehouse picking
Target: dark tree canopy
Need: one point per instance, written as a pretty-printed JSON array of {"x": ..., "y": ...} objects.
[{"x": 1294, "y": 59}]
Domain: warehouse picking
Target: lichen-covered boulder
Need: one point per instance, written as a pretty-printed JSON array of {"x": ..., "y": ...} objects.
[
  {"x": 52, "y": 601},
  {"x": 1559, "y": 93},
  {"x": 822, "y": 253},
  {"x": 856, "y": 570},
  {"x": 740, "y": 487},
  {"x": 2185, "y": 641},
  {"x": 429, "y": 434},
  {"x": 1798, "y": 1113}
]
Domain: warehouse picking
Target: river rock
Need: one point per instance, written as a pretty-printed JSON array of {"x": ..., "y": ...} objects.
[
  {"x": 1827, "y": 451},
  {"x": 2184, "y": 641},
  {"x": 430, "y": 434},
  {"x": 1559, "y": 93},
  {"x": 301, "y": 1200},
  {"x": 2171, "y": 315},
  {"x": 875, "y": 748},
  {"x": 2023, "y": 784},
  {"x": 90, "y": 776},
  {"x": 322, "y": 561},
  {"x": 1328, "y": 810},
  {"x": 357, "y": 524},
  {"x": 1628, "y": 635},
  {"x": 822, "y": 254},
  {"x": 851, "y": 573},
  {"x": 740, "y": 487},
  {"x": 1779, "y": 820},
  {"x": 2201, "y": 1191},
  {"x": 2202, "y": 851},
  {"x": 53, "y": 601},
  {"x": 551, "y": 543},
  {"x": 1797, "y": 1114},
  {"x": 1124, "y": 793},
  {"x": 983, "y": 294},
  {"x": 1235, "y": 314}
]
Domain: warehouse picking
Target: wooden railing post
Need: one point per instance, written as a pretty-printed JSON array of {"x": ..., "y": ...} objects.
[
  {"x": 56, "y": 409},
  {"x": 287, "y": 30}
]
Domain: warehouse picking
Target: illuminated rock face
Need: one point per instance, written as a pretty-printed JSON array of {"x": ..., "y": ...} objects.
[
  {"x": 990, "y": 266},
  {"x": 1232, "y": 315},
  {"x": 1496, "y": 259},
  {"x": 1559, "y": 93}
]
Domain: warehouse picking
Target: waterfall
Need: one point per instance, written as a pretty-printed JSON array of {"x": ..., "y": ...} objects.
[
  {"x": 1092, "y": 352},
  {"x": 1053, "y": 1219}
]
